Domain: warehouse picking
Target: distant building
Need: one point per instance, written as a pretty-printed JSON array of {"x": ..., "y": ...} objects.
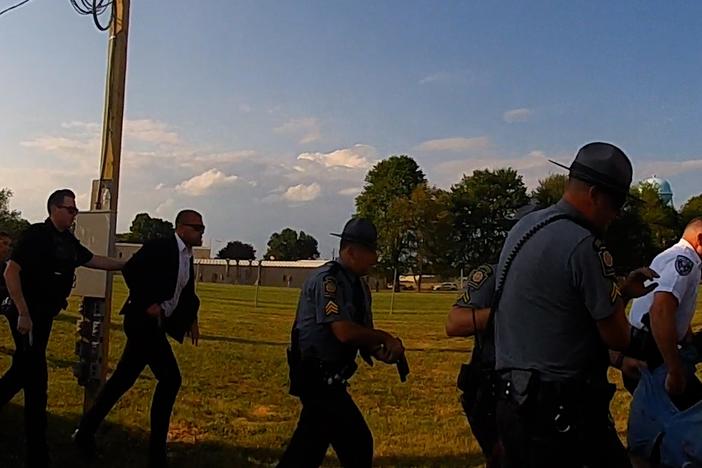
[
  {"x": 664, "y": 189},
  {"x": 273, "y": 272}
]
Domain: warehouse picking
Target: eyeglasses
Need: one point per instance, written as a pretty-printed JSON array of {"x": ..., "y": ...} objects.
[
  {"x": 197, "y": 227},
  {"x": 71, "y": 209}
]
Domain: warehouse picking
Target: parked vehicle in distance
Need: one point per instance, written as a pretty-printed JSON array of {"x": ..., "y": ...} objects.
[{"x": 445, "y": 287}]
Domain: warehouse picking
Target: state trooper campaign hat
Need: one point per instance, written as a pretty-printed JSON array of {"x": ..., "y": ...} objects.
[
  {"x": 360, "y": 231},
  {"x": 602, "y": 165}
]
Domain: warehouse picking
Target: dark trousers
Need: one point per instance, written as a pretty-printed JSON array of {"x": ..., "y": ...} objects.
[
  {"x": 531, "y": 438},
  {"x": 146, "y": 345},
  {"x": 28, "y": 371},
  {"x": 329, "y": 419},
  {"x": 482, "y": 418}
]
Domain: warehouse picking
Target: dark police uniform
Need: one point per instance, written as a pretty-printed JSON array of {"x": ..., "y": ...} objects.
[
  {"x": 48, "y": 259},
  {"x": 476, "y": 379},
  {"x": 556, "y": 280},
  {"x": 320, "y": 366}
]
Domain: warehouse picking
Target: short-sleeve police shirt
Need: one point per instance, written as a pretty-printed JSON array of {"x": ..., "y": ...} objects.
[
  {"x": 48, "y": 259},
  {"x": 478, "y": 294},
  {"x": 679, "y": 270},
  {"x": 560, "y": 283},
  {"x": 331, "y": 294}
]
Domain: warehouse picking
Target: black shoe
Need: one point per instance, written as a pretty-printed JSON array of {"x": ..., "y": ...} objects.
[{"x": 84, "y": 442}]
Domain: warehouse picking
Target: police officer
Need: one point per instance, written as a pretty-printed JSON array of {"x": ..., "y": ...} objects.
[
  {"x": 667, "y": 314},
  {"x": 470, "y": 316},
  {"x": 332, "y": 324},
  {"x": 559, "y": 309},
  {"x": 39, "y": 279}
]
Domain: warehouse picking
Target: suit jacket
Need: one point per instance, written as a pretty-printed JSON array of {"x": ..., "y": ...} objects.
[{"x": 151, "y": 276}]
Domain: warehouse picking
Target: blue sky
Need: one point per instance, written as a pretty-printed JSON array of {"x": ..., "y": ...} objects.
[{"x": 268, "y": 114}]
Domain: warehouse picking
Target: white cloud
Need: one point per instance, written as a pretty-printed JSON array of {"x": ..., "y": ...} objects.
[
  {"x": 455, "y": 144},
  {"x": 166, "y": 208},
  {"x": 150, "y": 131},
  {"x": 351, "y": 191},
  {"x": 77, "y": 124},
  {"x": 302, "y": 192},
  {"x": 532, "y": 167},
  {"x": 206, "y": 182},
  {"x": 356, "y": 157},
  {"x": 667, "y": 168},
  {"x": 517, "y": 115},
  {"x": 66, "y": 145},
  {"x": 306, "y": 128}
]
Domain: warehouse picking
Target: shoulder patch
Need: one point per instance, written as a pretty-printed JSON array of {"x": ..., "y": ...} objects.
[
  {"x": 683, "y": 265},
  {"x": 606, "y": 259},
  {"x": 477, "y": 277},
  {"x": 330, "y": 287}
]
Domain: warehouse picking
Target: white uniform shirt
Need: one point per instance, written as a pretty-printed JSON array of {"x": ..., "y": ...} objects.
[
  {"x": 679, "y": 270},
  {"x": 184, "y": 254}
]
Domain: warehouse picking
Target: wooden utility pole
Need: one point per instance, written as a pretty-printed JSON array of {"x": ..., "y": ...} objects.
[{"x": 105, "y": 191}]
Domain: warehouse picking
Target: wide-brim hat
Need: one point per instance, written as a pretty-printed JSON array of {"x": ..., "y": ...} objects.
[
  {"x": 602, "y": 165},
  {"x": 360, "y": 231}
]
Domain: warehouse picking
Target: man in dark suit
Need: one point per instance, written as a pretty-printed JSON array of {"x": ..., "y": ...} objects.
[{"x": 161, "y": 301}]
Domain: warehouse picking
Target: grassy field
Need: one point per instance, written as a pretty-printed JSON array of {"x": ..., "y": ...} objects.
[{"x": 233, "y": 409}]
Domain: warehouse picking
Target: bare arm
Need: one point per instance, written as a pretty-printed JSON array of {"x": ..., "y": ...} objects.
[
  {"x": 369, "y": 338},
  {"x": 466, "y": 322},
  {"x": 615, "y": 330},
  {"x": 663, "y": 327},
  {"x": 105, "y": 263}
]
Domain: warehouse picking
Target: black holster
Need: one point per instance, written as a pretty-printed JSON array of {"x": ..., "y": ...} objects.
[{"x": 311, "y": 376}]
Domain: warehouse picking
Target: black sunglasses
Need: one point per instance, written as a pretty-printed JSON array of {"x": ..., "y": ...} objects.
[
  {"x": 71, "y": 209},
  {"x": 197, "y": 227}
]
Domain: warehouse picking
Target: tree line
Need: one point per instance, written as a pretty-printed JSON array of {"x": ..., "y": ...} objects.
[{"x": 424, "y": 229}]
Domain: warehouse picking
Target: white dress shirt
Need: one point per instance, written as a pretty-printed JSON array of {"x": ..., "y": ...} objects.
[
  {"x": 185, "y": 253},
  {"x": 679, "y": 270}
]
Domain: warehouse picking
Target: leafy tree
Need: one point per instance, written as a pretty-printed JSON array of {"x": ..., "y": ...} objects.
[
  {"x": 11, "y": 221},
  {"x": 662, "y": 219},
  {"x": 389, "y": 184},
  {"x": 690, "y": 210},
  {"x": 550, "y": 190},
  {"x": 145, "y": 228},
  {"x": 307, "y": 247},
  {"x": 480, "y": 204},
  {"x": 427, "y": 219},
  {"x": 237, "y": 250},
  {"x": 288, "y": 245}
]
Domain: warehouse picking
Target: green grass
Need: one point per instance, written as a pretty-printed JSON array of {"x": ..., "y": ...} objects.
[{"x": 233, "y": 409}]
